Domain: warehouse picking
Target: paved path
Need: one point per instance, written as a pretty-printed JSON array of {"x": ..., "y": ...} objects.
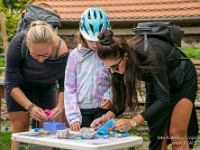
[{"x": 5, "y": 121}]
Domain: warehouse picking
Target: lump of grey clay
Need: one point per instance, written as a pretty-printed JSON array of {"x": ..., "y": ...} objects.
[
  {"x": 88, "y": 133},
  {"x": 63, "y": 134}
]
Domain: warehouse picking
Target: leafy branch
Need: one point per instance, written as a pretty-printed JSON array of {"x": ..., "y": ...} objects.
[{"x": 12, "y": 10}]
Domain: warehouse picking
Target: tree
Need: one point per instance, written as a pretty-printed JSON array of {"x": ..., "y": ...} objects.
[{"x": 12, "y": 11}]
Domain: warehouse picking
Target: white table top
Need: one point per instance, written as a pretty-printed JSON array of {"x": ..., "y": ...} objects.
[{"x": 92, "y": 144}]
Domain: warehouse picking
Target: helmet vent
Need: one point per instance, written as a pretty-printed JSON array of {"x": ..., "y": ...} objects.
[
  {"x": 101, "y": 15},
  {"x": 95, "y": 15},
  {"x": 100, "y": 27},
  {"x": 89, "y": 16},
  {"x": 91, "y": 28}
]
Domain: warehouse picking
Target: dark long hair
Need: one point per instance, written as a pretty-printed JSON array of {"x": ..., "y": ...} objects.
[
  {"x": 114, "y": 48},
  {"x": 126, "y": 86},
  {"x": 144, "y": 63}
]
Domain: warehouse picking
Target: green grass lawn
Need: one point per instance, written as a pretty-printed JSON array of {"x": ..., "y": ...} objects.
[{"x": 5, "y": 140}]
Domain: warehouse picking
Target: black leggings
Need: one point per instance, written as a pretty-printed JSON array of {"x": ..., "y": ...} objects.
[{"x": 88, "y": 115}]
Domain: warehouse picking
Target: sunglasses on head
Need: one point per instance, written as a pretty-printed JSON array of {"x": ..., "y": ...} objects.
[{"x": 114, "y": 67}]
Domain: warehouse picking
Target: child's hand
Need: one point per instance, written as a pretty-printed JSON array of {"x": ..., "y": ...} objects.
[
  {"x": 106, "y": 104},
  {"x": 76, "y": 126}
]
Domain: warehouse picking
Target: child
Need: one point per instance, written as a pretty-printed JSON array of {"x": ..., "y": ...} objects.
[{"x": 87, "y": 93}]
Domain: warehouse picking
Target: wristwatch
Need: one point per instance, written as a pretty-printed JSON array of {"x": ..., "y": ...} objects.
[{"x": 133, "y": 123}]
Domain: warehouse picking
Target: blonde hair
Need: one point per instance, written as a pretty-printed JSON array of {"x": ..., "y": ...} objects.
[
  {"x": 40, "y": 32},
  {"x": 81, "y": 41}
]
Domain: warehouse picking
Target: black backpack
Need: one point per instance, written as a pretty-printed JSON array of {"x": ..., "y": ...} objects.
[
  {"x": 167, "y": 31},
  {"x": 171, "y": 33},
  {"x": 34, "y": 13}
]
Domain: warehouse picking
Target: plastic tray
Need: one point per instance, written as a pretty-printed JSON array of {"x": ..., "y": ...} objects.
[{"x": 53, "y": 126}]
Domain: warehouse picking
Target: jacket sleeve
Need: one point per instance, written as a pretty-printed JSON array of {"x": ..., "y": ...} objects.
[
  {"x": 13, "y": 62},
  {"x": 72, "y": 109},
  {"x": 108, "y": 94},
  {"x": 117, "y": 113}
]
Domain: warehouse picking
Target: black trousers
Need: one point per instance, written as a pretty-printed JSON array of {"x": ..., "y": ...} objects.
[{"x": 88, "y": 115}]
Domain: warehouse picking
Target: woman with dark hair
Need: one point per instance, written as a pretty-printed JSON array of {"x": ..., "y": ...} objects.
[{"x": 171, "y": 87}]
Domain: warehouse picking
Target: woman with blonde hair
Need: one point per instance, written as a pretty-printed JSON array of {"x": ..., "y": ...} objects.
[{"x": 31, "y": 82}]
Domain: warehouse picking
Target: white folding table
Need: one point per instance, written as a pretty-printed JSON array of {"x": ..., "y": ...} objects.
[{"x": 51, "y": 140}]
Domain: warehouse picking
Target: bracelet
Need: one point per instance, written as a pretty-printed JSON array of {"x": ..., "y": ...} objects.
[
  {"x": 107, "y": 117},
  {"x": 30, "y": 107}
]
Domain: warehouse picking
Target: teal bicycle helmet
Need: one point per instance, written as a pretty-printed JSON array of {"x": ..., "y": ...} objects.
[{"x": 92, "y": 22}]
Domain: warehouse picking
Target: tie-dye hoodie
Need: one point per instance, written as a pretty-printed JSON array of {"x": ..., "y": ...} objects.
[{"x": 87, "y": 83}]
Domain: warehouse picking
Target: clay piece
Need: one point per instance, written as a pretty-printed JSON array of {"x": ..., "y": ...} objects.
[
  {"x": 43, "y": 132},
  {"x": 63, "y": 134},
  {"x": 87, "y": 133},
  {"x": 47, "y": 112}
]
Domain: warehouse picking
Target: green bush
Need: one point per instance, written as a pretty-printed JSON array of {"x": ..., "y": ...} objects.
[
  {"x": 192, "y": 52},
  {"x": 2, "y": 62}
]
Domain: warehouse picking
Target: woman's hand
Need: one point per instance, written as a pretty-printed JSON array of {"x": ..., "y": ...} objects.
[
  {"x": 123, "y": 125},
  {"x": 38, "y": 114},
  {"x": 56, "y": 113},
  {"x": 76, "y": 126},
  {"x": 99, "y": 122},
  {"x": 106, "y": 104}
]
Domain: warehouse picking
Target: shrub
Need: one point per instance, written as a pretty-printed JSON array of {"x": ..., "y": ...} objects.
[
  {"x": 2, "y": 62},
  {"x": 192, "y": 52}
]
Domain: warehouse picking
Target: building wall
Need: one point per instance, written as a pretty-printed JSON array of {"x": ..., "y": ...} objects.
[
  {"x": 70, "y": 40},
  {"x": 188, "y": 39},
  {"x": 191, "y": 39}
]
